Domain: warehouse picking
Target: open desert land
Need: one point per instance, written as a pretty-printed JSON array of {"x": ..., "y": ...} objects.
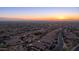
[{"x": 24, "y": 36}]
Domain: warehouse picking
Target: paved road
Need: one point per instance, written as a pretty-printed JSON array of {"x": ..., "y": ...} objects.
[
  {"x": 76, "y": 48},
  {"x": 46, "y": 42},
  {"x": 60, "y": 44}
]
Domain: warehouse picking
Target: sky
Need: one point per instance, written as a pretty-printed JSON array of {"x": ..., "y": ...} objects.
[{"x": 40, "y": 13}]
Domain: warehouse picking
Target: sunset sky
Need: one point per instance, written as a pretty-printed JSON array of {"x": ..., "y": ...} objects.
[{"x": 41, "y": 13}]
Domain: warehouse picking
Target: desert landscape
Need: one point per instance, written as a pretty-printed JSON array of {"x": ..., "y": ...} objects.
[
  {"x": 39, "y": 28},
  {"x": 28, "y": 36}
]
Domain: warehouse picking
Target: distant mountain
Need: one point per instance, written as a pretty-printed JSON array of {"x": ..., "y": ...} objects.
[
  {"x": 9, "y": 19},
  {"x": 4, "y": 19}
]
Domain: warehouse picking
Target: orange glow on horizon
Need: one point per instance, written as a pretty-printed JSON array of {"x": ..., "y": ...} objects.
[{"x": 47, "y": 18}]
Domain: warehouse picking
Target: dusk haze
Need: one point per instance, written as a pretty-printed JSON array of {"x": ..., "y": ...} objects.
[
  {"x": 40, "y": 13},
  {"x": 39, "y": 28}
]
